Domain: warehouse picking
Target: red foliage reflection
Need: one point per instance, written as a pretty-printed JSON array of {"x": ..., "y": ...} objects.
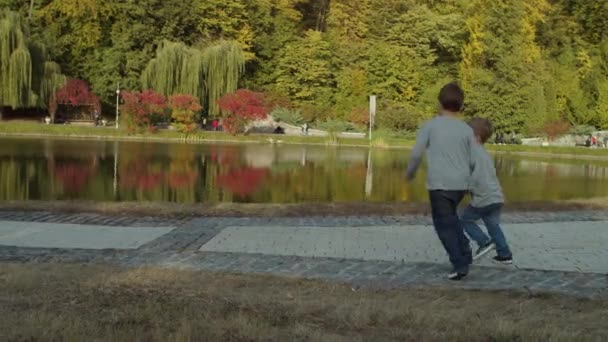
[
  {"x": 138, "y": 175},
  {"x": 243, "y": 182},
  {"x": 73, "y": 176},
  {"x": 180, "y": 180}
]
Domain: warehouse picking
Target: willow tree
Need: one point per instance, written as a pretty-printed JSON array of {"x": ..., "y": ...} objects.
[
  {"x": 207, "y": 73},
  {"x": 27, "y": 78}
]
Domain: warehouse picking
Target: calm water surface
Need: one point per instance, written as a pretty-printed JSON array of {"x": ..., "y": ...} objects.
[{"x": 39, "y": 169}]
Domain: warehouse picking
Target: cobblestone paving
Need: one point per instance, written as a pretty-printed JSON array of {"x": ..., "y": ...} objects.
[{"x": 180, "y": 248}]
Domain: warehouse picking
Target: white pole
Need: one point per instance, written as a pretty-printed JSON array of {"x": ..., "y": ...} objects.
[
  {"x": 115, "y": 185},
  {"x": 117, "y": 102},
  {"x": 369, "y": 175}
]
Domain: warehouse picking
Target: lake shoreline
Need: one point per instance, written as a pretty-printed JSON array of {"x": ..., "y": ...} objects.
[{"x": 21, "y": 130}]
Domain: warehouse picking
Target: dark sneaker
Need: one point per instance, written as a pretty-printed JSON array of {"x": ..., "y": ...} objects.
[
  {"x": 483, "y": 250},
  {"x": 504, "y": 260},
  {"x": 456, "y": 276}
]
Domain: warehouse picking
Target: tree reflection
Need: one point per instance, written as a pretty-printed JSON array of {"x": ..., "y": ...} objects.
[
  {"x": 182, "y": 173},
  {"x": 140, "y": 174},
  {"x": 74, "y": 176},
  {"x": 244, "y": 181}
]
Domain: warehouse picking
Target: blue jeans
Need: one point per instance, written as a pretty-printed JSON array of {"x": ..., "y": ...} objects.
[
  {"x": 449, "y": 229},
  {"x": 490, "y": 215}
]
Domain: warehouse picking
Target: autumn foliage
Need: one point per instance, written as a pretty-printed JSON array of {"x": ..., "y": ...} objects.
[
  {"x": 74, "y": 93},
  {"x": 184, "y": 110},
  {"x": 143, "y": 110},
  {"x": 555, "y": 129},
  {"x": 243, "y": 182},
  {"x": 242, "y": 107}
]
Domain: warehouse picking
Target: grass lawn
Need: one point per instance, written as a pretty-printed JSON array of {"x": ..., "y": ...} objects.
[
  {"x": 56, "y": 302},
  {"x": 549, "y": 150},
  {"x": 16, "y": 128}
]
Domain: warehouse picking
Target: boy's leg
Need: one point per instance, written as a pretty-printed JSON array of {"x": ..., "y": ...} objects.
[
  {"x": 491, "y": 218},
  {"x": 449, "y": 230},
  {"x": 469, "y": 218}
]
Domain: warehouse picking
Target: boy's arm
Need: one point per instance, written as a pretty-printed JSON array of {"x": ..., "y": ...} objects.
[
  {"x": 422, "y": 142},
  {"x": 475, "y": 164}
]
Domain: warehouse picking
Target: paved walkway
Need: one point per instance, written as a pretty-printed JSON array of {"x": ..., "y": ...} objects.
[{"x": 561, "y": 252}]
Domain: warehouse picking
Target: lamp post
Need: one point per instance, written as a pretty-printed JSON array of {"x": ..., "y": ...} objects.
[{"x": 117, "y": 102}]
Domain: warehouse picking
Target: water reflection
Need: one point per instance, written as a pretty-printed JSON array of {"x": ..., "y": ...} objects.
[{"x": 54, "y": 169}]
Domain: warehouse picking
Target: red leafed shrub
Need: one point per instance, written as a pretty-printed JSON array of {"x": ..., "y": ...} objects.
[
  {"x": 243, "y": 182},
  {"x": 142, "y": 110},
  {"x": 77, "y": 93},
  {"x": 359, "y": 116},
  {"x": 184, "y": 110},
  {"x": 242, "y": 107},
  {"x": 556, "y": 128}
]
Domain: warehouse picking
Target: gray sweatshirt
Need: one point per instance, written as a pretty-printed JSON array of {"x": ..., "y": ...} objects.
[
  {"x": 485, "y": 187},
  {"x": 447, "y": 142}
]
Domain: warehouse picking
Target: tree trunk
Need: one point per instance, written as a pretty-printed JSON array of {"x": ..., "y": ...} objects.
[{"x": 29, "y": 17}]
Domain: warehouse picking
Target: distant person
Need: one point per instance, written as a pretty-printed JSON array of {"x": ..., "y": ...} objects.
[
  {"x": 279, "y": 130},
  {"x": 501, "y": 138},
  {"x": 487, "y": 199},
  {"x": 214, "y": 125},
  {"x": 448, "y": 143}
]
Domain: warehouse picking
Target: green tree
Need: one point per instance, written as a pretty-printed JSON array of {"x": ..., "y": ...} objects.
[
  {"x": 502, "y": 69},
  {"x": 28, "y": 79},
  {"x": 209, "y": 73},
  {"x": 602, "y": 105},
  {"x": 304, "y": 72},
  {"x": 275, "y": 23}
]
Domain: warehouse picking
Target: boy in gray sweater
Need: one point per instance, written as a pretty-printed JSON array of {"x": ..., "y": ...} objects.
[
  {"x": 448, "y": 142},
  {"x": 486, "y": 199}
]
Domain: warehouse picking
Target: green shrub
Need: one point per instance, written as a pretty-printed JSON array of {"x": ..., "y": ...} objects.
[
  {"x": 335, "y": 126},
  {"x": 582, "y": 130},
  {"x": 399, "y": 118},
  {"x": 290, "y": 116}
]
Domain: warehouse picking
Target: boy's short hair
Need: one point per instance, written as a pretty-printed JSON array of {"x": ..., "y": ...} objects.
[
  {"x": 482, "y": 128},
  {"x": 451, "y": 97}
]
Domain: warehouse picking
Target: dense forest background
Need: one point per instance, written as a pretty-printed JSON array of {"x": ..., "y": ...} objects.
[{"x": 529, "y": 65}]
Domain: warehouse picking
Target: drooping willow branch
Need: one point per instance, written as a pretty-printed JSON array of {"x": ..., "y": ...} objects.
[
  {"x": 28, "y": 79},
  {"x": 207, "y": 73}
]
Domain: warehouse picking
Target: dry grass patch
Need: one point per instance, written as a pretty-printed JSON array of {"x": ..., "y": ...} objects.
[
  {"x": 161, "y": 209},
  {"x": 84, "y": 302}
]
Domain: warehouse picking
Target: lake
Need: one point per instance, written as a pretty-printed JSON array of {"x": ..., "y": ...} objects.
[{"x": 48, "y": 169}]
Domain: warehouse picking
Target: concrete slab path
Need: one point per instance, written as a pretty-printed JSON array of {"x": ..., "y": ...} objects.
[
  {"x": 76, "y": 236},
  {"x": 561, "y": 246},
  {"x": 562, "y": 252}
]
